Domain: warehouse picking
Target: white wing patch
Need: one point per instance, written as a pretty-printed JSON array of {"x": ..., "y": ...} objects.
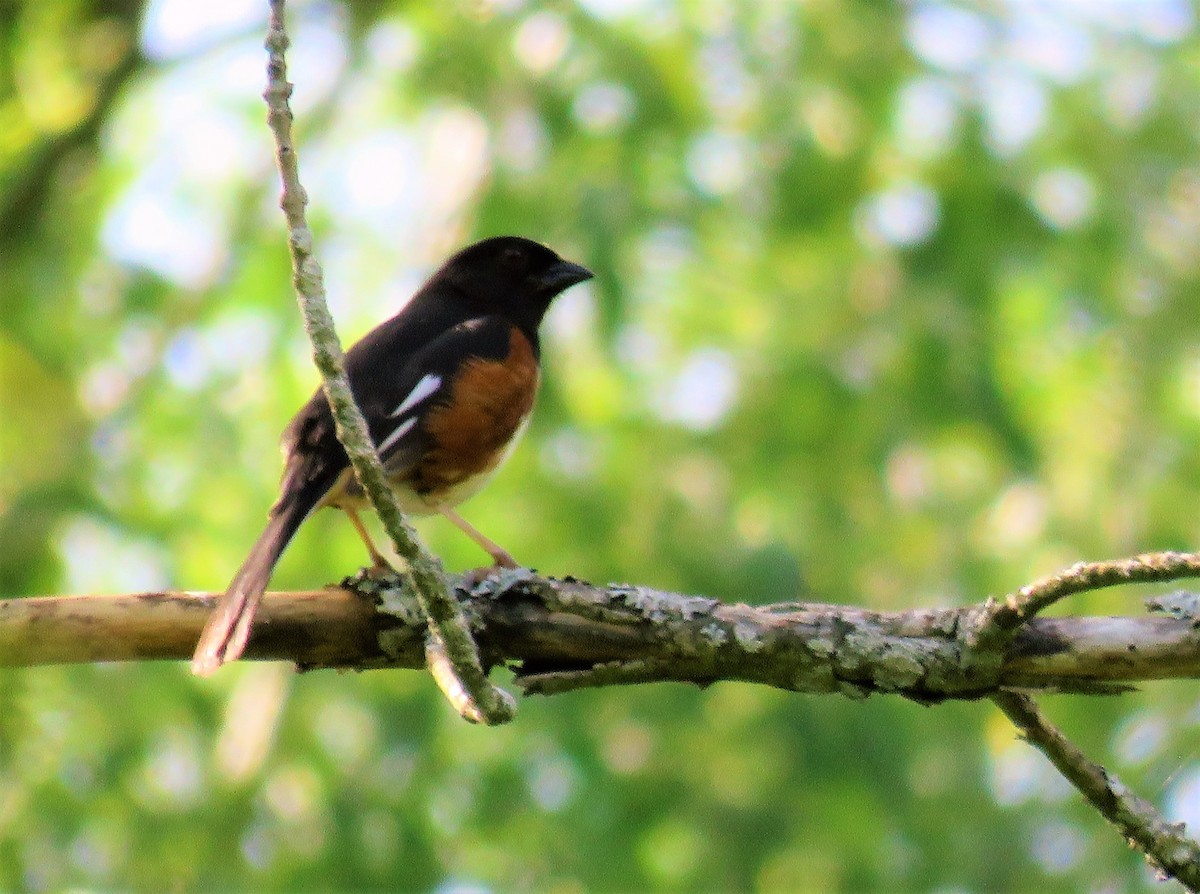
[
  {"x": 401, "y": 430},
  {"x": 428, "y": 385},
  {"x": 423, "y": 390}
]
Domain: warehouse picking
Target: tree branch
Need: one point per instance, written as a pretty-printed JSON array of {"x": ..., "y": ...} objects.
[
  {"x": 1017, "y": 608},
  {"x": 452, "y": 652},
  {"x": 1165, "y": 845},
  {"x": 559, "y": 635}
]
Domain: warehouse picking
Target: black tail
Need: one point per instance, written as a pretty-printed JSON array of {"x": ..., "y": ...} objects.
[{"x": 228, "y": 628}]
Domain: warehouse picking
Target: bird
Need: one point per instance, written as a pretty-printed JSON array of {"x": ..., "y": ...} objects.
[{"x": 446, "y": 387}]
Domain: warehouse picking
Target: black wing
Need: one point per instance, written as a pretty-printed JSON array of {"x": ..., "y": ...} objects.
[{"x": 393, "y": 387}]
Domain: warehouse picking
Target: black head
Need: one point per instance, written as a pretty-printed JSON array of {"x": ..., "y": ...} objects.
[{"x": 512, "y": 276}]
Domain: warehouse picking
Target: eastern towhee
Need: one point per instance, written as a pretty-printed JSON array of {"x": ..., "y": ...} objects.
[{"x": 446, "y": 386}]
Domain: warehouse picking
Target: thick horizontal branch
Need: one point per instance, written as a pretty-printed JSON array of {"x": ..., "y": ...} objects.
[{"x": 560, "y": 635}]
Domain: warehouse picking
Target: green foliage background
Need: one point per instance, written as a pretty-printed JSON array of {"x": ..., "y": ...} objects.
[{"x": 895, "y": 305}]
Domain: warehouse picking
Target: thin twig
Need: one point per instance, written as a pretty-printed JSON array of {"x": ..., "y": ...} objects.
[
  {"x": 999, "y": 621},
  {"x": 443, "y": 671},
  {"x": 1164, "y": 844},
  {"x": 470, "y": 684},
  {"x": 1145, "y": 568}
]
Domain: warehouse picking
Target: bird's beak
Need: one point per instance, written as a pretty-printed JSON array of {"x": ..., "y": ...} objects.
[{"x": 562, "y": 275}]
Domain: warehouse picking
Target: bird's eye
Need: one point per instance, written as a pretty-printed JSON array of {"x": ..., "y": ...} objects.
[{"x": 514, "y": 259}]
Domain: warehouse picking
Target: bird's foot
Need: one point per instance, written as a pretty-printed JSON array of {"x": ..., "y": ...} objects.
[
  {"x": 502, "y": 561},
  {"x": 380, "y": 566},
  {"x": 381, "y": 573}
]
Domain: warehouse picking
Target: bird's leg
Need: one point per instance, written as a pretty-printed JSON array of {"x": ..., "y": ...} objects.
[
  {"x": 378, "y": 561},
  {"x": 499, "y": 555}
]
